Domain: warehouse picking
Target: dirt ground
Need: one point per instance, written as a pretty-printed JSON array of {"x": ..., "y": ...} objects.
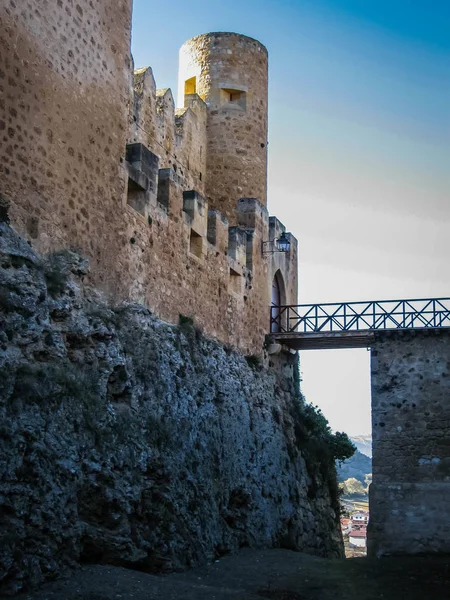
[{"x": 271, "y": 574}]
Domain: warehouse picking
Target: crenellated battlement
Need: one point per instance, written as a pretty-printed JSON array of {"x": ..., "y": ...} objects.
[
  {"x": 168, "y": 203},
  {"x": 151, "y": 190},
  {"x": 176, "y": 135}
]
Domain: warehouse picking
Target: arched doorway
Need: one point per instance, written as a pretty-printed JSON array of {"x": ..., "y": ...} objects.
[{"x": 277, "y": 300}]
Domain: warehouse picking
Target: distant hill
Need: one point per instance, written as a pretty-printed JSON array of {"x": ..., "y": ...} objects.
[
  {"x": 363, "y": 443},
  {"x": 356, "y": 472},
  {"x": 359, "y": 466}
]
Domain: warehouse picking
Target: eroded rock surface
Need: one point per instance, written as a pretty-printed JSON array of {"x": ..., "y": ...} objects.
[{"x": 128, "y": 441}]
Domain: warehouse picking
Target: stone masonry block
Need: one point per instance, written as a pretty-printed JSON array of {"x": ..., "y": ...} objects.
[
  {"x": 237, "y": 244},
  {"x": 251, "y": 213},
  {"x": 142, "y": 159},
  {"x": 217, "y": 230},
  {"x": 142, "y": 167},
  {"x": 196, "y": 210},
  {"x": 170, "y": 191}
]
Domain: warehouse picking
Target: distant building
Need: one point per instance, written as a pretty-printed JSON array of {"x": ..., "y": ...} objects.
[
  {"x": 358, "y": 537},
  {"x": 360, "y": 518},
  {"x": 346, "y": 525}
]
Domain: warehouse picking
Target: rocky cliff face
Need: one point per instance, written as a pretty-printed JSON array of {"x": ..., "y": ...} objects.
[{"x": 128, "y": 441}]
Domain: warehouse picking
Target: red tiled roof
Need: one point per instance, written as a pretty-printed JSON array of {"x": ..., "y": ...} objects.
[{"x": 358, "y": 533}]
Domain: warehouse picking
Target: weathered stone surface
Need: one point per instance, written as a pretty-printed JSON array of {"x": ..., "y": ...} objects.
[
  {"x": 66, "y": 117},
  {"x": 230, "y": 73},
  {"x": 409, "y": 507},
  {"x": 128, "y": 441}
]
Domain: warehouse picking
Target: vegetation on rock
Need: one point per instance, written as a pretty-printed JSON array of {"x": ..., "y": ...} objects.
[{"x": 132, "y": 442}]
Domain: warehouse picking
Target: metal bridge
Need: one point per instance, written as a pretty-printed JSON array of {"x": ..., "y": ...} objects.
[{"x": 353, "y": 324}]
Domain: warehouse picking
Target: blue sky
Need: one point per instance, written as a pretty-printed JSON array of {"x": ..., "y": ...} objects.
[{"x": 359, "y": 150}]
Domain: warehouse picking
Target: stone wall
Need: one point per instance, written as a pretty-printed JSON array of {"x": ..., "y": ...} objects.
[
  {"x": 128, "y": 441},
  {"x": 409, "y": 508},
  {"x": 189, "y": 261},
  {"x": 285, "y": 264},
  {"x": 65, "y": 74},
  {"x": 68, "y": 109}
]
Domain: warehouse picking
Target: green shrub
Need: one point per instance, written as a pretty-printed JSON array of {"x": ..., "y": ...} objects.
[
  {"x": 320, "y": 447},
  {"x": 192, "y": 332},
  {"x": 184, "y": 321},
  {"x": 254, "y": 361},
  {"x": 311, "y": 425},
  {"x": 342, "y": 447}
]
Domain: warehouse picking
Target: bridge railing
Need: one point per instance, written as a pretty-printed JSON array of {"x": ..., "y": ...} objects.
[{"x": 361, "y": 316}]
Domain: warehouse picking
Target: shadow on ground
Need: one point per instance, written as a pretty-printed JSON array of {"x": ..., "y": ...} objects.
[{"x": 270, "y": 574}]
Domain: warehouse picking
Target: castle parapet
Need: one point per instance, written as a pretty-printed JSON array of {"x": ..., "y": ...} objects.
[
  {"x": 217, "y": 230},
  {"x": 276, "y": 228},
  {"x": 169, "y": 194},
  {"x": 254, "y": 217},
  {"x": 143, "y": 126},
  {"x": 237, "y": 245},
  {"x": 194, "y": 205},
  {"x": 195, "y": 213},
  {"x": 252, "y": 213},
  {"x": 194, "y": 101},
  {"x": 142, "y": 167}
]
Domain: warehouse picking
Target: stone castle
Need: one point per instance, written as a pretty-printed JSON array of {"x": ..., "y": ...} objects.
[
  {"x": 169, "y": 204},
  {"x": 129, "y": 441}
]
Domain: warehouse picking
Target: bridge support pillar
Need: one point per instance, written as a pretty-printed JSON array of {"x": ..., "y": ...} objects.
[{"x": 409, "y": 496}]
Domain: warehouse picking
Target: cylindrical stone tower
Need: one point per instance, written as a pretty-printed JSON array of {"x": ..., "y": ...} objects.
[{"x": 229, "y": 72}]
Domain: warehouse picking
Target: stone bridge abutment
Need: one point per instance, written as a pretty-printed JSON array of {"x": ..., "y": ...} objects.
[{"x": 409, "y": 496}]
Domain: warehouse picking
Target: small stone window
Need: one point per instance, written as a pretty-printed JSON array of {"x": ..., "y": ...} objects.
[
  {"x": 190, "y": 86},
  {"x": 196, "y": 244},
  {"x": 233, "y": 98},
  {"x": 235, "y": 282}
]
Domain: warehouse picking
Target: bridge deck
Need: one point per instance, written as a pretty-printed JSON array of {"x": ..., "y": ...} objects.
[
  {"x": 326, "y": 340},
  {"x": 353, "y": 324}
]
